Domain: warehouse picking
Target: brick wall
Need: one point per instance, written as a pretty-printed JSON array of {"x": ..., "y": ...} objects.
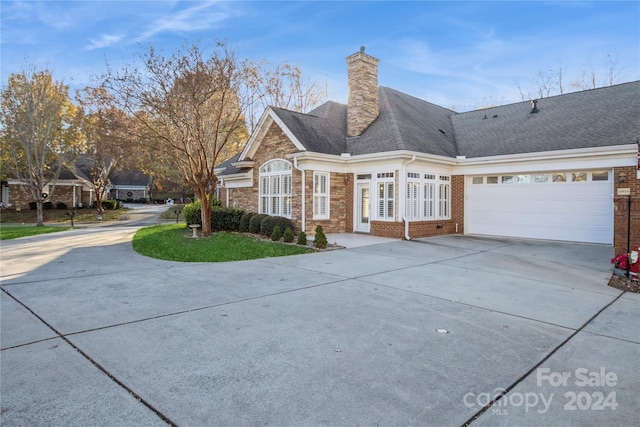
[
  {"x": 62, "y": 194},
  {"x": 428, "y": 228},
  {"x": 620, "y": 210}
]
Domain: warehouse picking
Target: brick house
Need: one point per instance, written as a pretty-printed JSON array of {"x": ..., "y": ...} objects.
[
  {"x": 73, "y": 188},
  {"x": 393, "y": 165}
]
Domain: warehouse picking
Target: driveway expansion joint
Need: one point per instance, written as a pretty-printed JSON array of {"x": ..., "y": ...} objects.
[
  {"x": 95, "y": 363},
  {"x": 536, "y": 366}
]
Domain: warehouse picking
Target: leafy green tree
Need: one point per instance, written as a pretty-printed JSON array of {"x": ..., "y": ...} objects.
[{"x": 40, "y": 132}]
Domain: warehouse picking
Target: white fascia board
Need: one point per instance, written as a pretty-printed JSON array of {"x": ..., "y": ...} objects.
[
  {"x": 268, "y": 117},
  {"x": 238, "y": 180},
  {"x": 129, "y": 187},
  {"x": 583, "y": 158},
  {"x": 367, "y": 162}
]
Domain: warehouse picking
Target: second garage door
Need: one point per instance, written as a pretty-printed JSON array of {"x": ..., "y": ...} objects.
[{"x": 565, "y": 205}]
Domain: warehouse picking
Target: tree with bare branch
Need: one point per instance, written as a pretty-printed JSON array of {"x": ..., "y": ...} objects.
[
  {"x": 108, "y": 139},
  {"x": 40, "y": 131},
  {"x": 190, "y": 106}
]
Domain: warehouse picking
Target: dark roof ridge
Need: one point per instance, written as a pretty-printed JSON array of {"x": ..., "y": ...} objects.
[
  {"x": 576, "y": 92},
  {"x": 419, "y": 99},
  {"x": 383, "y": 98}
]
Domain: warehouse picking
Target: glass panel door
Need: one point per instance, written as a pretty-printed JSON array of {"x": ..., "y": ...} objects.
[{"x": 363, "y": 207}]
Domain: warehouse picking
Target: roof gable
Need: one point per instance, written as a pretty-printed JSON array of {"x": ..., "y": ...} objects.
[{"x": 268, "y": 118}]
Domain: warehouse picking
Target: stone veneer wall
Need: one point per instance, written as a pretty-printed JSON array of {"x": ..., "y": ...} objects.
[
  {"x": 340, "y": 204},
  {"x": 275, "y": 145},
  {"x": 620, "y": 209},
  {"x": 362, "y": 107}
]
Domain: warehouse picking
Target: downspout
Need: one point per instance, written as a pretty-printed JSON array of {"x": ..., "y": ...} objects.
[
  {"x": 304, "y": 200},
  {"x": 403, "y": 182}
]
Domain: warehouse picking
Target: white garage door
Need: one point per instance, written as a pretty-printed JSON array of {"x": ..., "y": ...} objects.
[{"x": 572, "y": 206}]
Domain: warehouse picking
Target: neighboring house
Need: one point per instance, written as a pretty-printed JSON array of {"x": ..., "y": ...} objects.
[
  {"x": 390, "y": 164},
  {"x": 130, "y": 186},
  {"x": 74, "y": 188}
]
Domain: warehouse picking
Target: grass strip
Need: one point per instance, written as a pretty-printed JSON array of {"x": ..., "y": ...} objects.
[
  {"x": 173, "y": 242},
  {"x": 16, "y": 231}
]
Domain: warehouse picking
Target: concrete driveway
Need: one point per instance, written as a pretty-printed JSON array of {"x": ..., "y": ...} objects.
[{"x": 419, "y": 333}]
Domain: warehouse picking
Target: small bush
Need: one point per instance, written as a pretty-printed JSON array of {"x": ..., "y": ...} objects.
[
  {"x": 302, "y": 238},
  {"x": 287, "y": 237},
  {"x": 61, "y": 206},
  {"x": 141, "y": 200},
  {"x": 254, "y": 222},
  {"x": 268, "y": 223},
  {"x": 47, "y": 206},
  {"x": 277, "y": 234},
  {"x": 216, "y": 202},
  {"x": 244, "y": 221},
  {"x": 110, "y": 204},
  {"x": 225, "y": 219},
  {"x": 320, "y": 240},
  {"x": 192, "y": 214}
]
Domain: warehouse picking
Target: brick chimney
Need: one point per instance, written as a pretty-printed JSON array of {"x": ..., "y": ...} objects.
[{"x": 362, "y": 108}]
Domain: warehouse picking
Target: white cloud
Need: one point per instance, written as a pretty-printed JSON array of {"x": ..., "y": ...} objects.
[
  {"x": 196, "y": 18},
  {"x": 105, "y": 40}
]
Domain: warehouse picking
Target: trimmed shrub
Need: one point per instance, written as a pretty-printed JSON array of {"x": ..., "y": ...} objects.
[
  {"x": 287, "y": 237},
  {"x": 244, "y": 221},
  {"x": 192, "y": 214},
  {"x": 302, "y": 238},
  {"x": 110, "y": 204},
  {"x": 61, "y": 206},
  {"x": 268, "y": 223},
  {"x": 225, "y": 219},
  {"x": 254, "y": 222},
  {"x": 277, "y": 234},
  {"x": 216, "y": 202},
  {"x": 320, "y": 240},
  {"x": 47, "y": 206}
]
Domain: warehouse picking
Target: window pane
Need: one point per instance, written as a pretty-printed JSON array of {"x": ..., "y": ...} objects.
[
  {"x": 492, "y": 180},
  {"x": 600, "y": 176},
  {"x": 478, "y": 180},
  {"x": 524, "y": 179},
  {"x": 559, "y": 177},
  {"x": 579, "y": 177},
  {"x": 541, "y": 178},
  {"x": 508, "y": 179}
]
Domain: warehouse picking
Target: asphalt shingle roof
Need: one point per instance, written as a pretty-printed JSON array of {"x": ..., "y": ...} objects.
[{"x": 594, "y": 118}]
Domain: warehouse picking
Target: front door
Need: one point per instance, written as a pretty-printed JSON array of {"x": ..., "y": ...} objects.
[{"x": 363, "y": 208}]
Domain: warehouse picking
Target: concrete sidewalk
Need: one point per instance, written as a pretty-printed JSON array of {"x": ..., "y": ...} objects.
[{"x": 423, "y": 332}]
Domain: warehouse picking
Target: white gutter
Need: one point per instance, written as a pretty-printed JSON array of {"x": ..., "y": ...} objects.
[
  {"x": 304, "y": 201},
  {"x": 403, "y": 182}
]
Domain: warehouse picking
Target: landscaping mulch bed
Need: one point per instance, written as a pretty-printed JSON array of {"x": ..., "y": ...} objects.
[{"x": 624, "y": 284}]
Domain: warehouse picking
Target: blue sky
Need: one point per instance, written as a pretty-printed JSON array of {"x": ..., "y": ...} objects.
[{"x": 458, "y": 54}]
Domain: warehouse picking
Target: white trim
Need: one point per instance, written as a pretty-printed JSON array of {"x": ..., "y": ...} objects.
[
  {"x": 326, "y": 195},
  {"x": 265, "y": 122}
]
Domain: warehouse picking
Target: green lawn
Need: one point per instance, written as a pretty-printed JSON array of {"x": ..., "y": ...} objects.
[
  {"x": 14, "y": 231},
  {"x": 173, "y": 242}
]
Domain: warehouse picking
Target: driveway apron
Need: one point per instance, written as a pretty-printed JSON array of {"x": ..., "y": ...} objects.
[{"x": 443, "y": 331}]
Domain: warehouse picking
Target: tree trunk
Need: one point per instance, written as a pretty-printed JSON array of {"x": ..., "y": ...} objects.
[
  {"x": 205, "y": 211},
  {"x": 39, "y": 213}
]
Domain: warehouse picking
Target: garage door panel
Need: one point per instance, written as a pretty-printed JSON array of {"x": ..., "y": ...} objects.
[{"x": 580, "y": 211}]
